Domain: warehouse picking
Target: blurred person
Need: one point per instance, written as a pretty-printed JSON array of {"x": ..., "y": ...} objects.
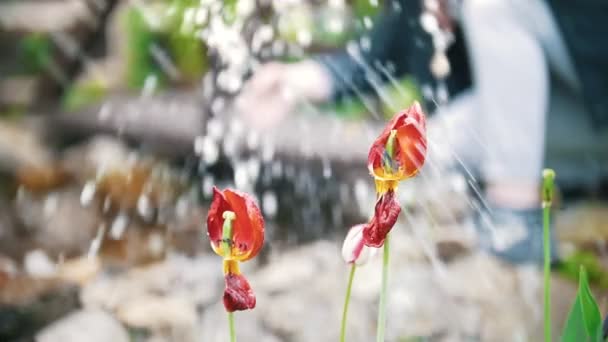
[{"x": 537, "y": 96}]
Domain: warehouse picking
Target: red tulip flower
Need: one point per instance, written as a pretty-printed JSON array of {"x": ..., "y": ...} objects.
[
  {"x": 397, "y": 154},
  {"x": 236, "y": 230}
]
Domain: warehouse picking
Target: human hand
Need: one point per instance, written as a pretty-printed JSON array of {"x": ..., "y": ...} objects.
[{"x": 276, "y": 88}]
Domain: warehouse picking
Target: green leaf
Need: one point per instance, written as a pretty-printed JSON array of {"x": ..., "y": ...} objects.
[
  {"x": 83, "y": 94},
  {"x": 584, "y": 321},
  {"x": 36, "y": 53}
]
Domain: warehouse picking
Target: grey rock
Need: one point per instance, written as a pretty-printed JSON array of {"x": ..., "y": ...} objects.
[
  {"x": 27, "y": 304},
  {"x": 85, "y": 325}
]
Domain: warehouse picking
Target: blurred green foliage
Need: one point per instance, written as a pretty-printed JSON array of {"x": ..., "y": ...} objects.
[
  {"x": 402, "y": 93},
  {"x": 351, "y": 108},
  {"x": 367, "y": 8},
  {"x": 229, "y": 10},
  {"x": 140, "y": 37},
  {"x": 187, "y": 49},
  {"x": 169, "y": 25},
  {"x": 82, "y": 94},
  {"x": 570, "y": 267},
  {"x": 36, "y": 53},
  {"x": 12, "y": 112}
]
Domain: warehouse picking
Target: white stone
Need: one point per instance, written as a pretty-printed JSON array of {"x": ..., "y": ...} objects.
[{"x": 85, "y": 325}]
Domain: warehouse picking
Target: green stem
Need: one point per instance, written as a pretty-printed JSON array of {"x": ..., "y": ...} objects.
[
  {"x": 228, "y": 216},
  {"x": 547, "y": 271},
  {"x": 547, "y": 196},
  {"x": 383, "y": 292},
  {"x": 347, "y": 301},
  {"x": 231, "y": 327}
]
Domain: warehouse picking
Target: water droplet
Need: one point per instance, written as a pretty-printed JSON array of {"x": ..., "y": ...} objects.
[
  {"x": 229, "y": 81},
  {"x": 253, "y": 140},
  {"x": 88, "y": 193},
  {"x": 458, "y": 183},
  {"x": 237, "y": 127},
  {"x": 105, "y": 112},
  {"x": 267, "y": 150},
  {"x": 241, "y": 178},
  {"x": 367, "y": 22},
  {"x": 207, "y": 148},
  {"x": 366, "y": 43},
  {"x": 215, "y": 128},
  {"x": 217, "y": 105},
  {"x": 326, "y": 169},
  {"x": 431, "y": 5},
  {"x": 429, "y": 22},
  {"x": 336, "y": 3},
  {"x": 304, "y": 38},
  {"x": 150, "y": 84},
  {"x": 270, "y": 204},
  {"x": 51, "y": 204},
  {"x": 201, "y": 16},
  {"x": 335, "y": 25},
  {"x": 230, "y": 145},
  {"x": 262, "y": 35},
  {"x": 440, "y": 65},
  {"x": 107, "y": 204},
  {"x": 144, "y": 207},
  {"x": 253, "y": 167},
  {"x": 38, "y": 264},
  {"x": 156, "y": 244},
  {"x": 207, "y": 187},
  {"x": 96, "y": 243},
  {"x": 119, "y": 225}
]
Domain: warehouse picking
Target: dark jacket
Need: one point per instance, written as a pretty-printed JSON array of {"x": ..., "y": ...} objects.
[{"x": 401, "y": 46}]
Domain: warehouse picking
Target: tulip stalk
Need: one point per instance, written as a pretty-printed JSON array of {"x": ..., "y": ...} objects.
[
  {"x": 390, "y": 148},
  {"x": 349, "y": 287},
  {"x": 547, "y": 195},
  {"x": 229, "y": 217},
  {"x": 396, "y": 155},
  {"x": 383, "y": 292}
]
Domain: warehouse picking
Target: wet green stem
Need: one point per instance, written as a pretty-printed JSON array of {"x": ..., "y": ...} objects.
[
  {"x": 231, "y": 327},
  {"x": 383, "y": 292},
  {"x": 548, "y": 177},
  {"x": 349, "y": 287},
  {"x": 229, "y": 217},
  {"x": 547, "y": 272}
]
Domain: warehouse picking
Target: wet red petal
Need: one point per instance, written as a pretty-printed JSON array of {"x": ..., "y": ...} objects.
[
  {"x": 412, "y": 148},
  {"x": 385, "y": 216},
  {"x": 248, "y": 227},
  {"x": 410, "y": 151},
  {"x": 238, "y": 295},
  {"x": 215, "y": 221}
]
